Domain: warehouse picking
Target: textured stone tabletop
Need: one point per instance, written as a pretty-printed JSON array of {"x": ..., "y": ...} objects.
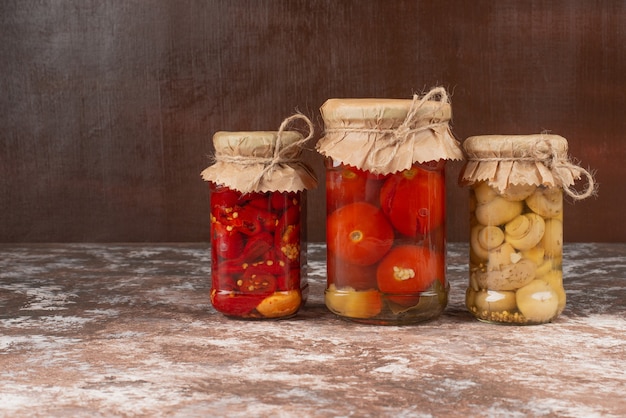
[{"x": 127, "y": 330}]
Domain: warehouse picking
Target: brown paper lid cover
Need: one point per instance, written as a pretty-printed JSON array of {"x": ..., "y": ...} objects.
[
  {"x": 387, "y": 135},
  {"x": 249, "y": 162},
  {"x": 504, "y": 160}
]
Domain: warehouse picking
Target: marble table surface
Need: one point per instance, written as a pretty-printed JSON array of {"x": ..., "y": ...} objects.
[{"x": 89, "y": 330}]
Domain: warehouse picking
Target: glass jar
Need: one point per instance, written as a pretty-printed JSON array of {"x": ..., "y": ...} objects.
[
  {"x": 385, "y": 228},
  {"x": 258, "y": 253},
  {"x": 516, "y": 226},
  {"x": 258, "y": 223}
]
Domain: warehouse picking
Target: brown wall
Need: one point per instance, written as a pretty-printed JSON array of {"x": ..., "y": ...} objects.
[{"x": 107, "y": 107}]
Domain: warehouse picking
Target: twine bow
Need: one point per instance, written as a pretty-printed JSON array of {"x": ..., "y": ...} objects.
[
  {"x": 544, "y": 152},
  {"x": 412, "y": 124},
  {"x": 280, "y": 153},
  {"x": 416, "y": 121}
]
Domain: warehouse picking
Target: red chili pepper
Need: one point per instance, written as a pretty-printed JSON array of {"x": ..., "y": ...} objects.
[
  {"x": 224, "y": 198},
  {"x": 228, "y": 243},
  {"x": 250, "y": 220},
  {"x": 256, "y": 246},
  {"x": 267, "y": 267},
  {"x": 259, "y": 201}
]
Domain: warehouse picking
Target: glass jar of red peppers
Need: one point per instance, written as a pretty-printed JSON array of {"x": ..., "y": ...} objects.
[
  {"x": 258, "y": 223},
  {"x": 385, "y": 193}
]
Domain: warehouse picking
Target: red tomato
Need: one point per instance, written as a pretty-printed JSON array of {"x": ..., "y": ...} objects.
[
  {"x": 344, "y": 274},
  {"x": 344, "y": 185},
  {"x": 358, "y": 233},
  {"x": 347, "y": 184},
  {"x": 408, "y": 270},
  {"x": 414, "y": 200}
]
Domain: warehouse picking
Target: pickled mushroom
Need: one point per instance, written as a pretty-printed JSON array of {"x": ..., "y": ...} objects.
[
  {"x": 498, "y": 211},
  {"x": 525, "y": 231},
  {"x": 547, "y": 202},
  {"x": 509, "y": 277},
  {"x": 537, "y": 301},
  {"x": 518, "y": 192}
]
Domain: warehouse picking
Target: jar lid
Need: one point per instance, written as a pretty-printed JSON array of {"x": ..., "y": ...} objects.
[
  {"x": 539, "y": 159},
  {"x": 260, "y": 161},
  {"x": 384, "y": 136}
]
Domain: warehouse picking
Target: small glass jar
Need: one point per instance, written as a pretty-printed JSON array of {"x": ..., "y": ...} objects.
[
  {"x": 258, "y": 224},
  {"x": 516, "y": 227},
  {"x": 385, "y": 228},
  {"x": 258, "y": 253}
]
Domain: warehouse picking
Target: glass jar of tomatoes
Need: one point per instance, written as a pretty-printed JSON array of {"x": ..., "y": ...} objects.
[
  {"x": 385, "y": 194},
  {"x": 258, "y": 223},
  {"x": 516, "y": 226}
]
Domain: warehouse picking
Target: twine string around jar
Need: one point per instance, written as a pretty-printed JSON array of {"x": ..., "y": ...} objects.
[
  {"x": 281, "y": 154},
  {"x": 413, "y": 123},
  {"x": 544, "y": 153}
]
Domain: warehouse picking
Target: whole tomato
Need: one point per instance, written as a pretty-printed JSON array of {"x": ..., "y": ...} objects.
[
  {"x": 414, "y": 200},
  {"x": 358, "y": 233},
  {"x": 344, "y": 185},
  {"x": 408, "y": 270}
]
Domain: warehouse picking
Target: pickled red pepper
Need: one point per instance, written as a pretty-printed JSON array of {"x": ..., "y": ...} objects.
[{"x": 258, "y": 243}]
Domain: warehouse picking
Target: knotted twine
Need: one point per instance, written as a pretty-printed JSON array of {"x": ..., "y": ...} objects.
[
  {"x": 562, "y": 169},
  {"x": 422, "y": 117},
  {"x": 282, "y": 157}
]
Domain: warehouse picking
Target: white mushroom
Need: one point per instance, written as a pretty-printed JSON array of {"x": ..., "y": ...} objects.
[
  {"x": 484, "y": 192},
  {"x": 534, "y": 254},
  {"x": 537, "y": 301},
  {"x": 518, "y": 192},
  {"x": 555, "y": 279},
  {"x": 552, "y": 241},
  {"x": 485, "y": 238},
  {"x": 525, "y": 231},
  {"x": 492, "y": 300},
  {"x": 501, "y": 256},
  {"x": 509, "y": 277},
  {"x": 547, "y": 202},
  {"x": 498, "y": 211}
]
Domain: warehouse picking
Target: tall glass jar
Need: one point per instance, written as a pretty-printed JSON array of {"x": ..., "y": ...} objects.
[
  {"x": 258, "y": 224},
  {"x": 385, "y": 197},
  {"x": 516, "y": 226}
]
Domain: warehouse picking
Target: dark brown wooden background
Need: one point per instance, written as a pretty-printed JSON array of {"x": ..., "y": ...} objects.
[{"x": 107, "y": 107}]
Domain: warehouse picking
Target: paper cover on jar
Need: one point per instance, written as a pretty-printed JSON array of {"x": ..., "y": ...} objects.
[
  {"x": 261, "y": 161},
  {"x": 384, "y": 136},
  {"x": 540, "y": 159}
]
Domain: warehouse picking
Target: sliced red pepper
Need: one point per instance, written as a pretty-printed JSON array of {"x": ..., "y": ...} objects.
[
  {"x": 225, "y": 198},
  {"x": 267, "y": 267},
  {"x": 257, "y": 245},
  {"x": 251, "y": 220},
  {"x": 281, "y": 201},
  {"x": 252, "y": 283},
  {"x": 228, "y": 243},
  {"x": 244, "y": 221},
  {"x": 259, "y": 201}
]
